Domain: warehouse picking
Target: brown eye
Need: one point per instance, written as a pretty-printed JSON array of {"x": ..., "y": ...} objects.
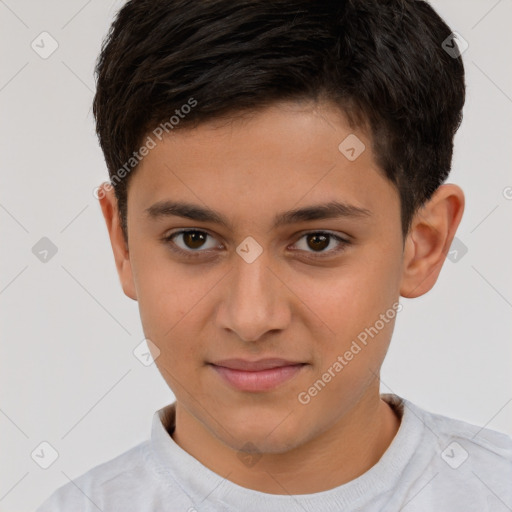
[
  {"x": 191, "y": 242},
  {"x": 194, "y": 239},
  {"x": 318, "y": 241}
]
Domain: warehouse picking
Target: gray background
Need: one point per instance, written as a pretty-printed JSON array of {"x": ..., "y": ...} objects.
[{"x": 68, "y": 375}]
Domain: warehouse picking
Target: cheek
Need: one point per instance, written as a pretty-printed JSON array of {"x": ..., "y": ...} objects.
[
  {"x": 164, "y": 299},
  {"x": 165, "y": 290},
  {"x": 171, "y": 302},
  {"x": 351, "y": 297},
  {"x": 357, "y": 304}
]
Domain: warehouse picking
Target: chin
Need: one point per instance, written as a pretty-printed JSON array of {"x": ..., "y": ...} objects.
[
  {"x": 266, "y": 433},
  {"x": 257, "y": 443}
]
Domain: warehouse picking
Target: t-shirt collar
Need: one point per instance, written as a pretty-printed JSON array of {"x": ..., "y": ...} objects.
[{"x": 173, "y": 464}]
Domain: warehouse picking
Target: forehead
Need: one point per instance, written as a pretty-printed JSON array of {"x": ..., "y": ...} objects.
[{"x": 288, "y": 155}]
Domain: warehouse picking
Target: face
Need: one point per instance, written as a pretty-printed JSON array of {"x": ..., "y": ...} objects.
[{"x": 281, "y": 278}]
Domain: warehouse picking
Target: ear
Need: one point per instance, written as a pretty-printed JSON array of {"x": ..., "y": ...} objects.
[
  {"x": 429, "y": 239},
  {"x": 109, "y": 207}
]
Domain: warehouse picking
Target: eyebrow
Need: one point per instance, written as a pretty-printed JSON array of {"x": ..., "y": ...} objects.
[{"x": 330, "y": 210}]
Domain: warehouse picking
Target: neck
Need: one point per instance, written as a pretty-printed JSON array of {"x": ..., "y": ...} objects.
[{"x": 358, "y": 440}]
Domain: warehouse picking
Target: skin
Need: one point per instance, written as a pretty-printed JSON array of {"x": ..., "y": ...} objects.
[{"x": 295, "y": 301}]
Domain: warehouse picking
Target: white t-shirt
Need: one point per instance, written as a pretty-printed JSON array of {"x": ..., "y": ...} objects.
[{"x": 433, "y": 464}]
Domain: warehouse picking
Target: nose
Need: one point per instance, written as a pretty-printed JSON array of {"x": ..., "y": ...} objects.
[{"x": 256, "y": 300}]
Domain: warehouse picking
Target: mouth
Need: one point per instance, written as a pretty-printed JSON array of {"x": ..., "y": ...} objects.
[{"x": 256, "y": 376}]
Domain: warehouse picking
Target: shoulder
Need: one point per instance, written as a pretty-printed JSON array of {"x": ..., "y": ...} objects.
[
  {"x": 480, "y": 439},
  {"x": 455, "y": 465},
  {"x": 473, "y": 460},
  {"x": 89, "y": 490},
  {"x": 481, "y": 443}
]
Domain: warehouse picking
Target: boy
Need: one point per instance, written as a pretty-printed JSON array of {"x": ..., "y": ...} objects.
[{"x": 276, "y": 184}]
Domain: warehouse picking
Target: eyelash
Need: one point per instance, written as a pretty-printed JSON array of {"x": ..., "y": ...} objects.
[{"x": 198, "y": 253}]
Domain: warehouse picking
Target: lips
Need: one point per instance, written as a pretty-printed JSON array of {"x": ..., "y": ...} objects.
[
  {"x": 254, "y": 366},
  {"x": 256, "y": 376}
]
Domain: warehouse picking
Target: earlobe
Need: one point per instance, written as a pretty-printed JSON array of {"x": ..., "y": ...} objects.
[
  {"x": 108, "y": 203},
  {"x": 428, "y": 242}
]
